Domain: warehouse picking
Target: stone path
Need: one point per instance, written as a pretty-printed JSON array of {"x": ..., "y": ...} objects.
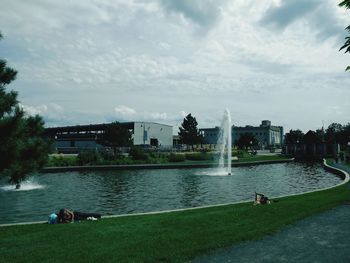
[{"x": 321, "y": 238}]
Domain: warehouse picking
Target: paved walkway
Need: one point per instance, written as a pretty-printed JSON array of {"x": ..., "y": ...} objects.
[{"x": 321, "y": 238}]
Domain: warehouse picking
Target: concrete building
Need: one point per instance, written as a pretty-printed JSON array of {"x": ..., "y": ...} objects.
[
  {"x": 266, "y": 134},
  {"x": 74, "y": 139},
  {"x": 154, "y": 134}
]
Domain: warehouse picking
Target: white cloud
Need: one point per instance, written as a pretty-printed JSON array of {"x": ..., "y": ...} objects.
[
  {"x": 164, "y": 56},
  {"x": 183, "y": 114},
  {"x": 124, "y": 111}
]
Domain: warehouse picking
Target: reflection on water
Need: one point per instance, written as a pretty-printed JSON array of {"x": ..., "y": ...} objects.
[{"x": 121, "y": 192}]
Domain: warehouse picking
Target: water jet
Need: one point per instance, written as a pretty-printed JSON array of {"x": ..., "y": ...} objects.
[{"x": 225, "y": 142}]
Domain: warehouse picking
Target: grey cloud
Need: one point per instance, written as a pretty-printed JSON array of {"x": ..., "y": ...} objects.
[
  {"x": 204, "y": 13},
  {"x": 326, "y": 23},
  {"x": 289, "y": 11},
  {"x": 320, "y": 15}
]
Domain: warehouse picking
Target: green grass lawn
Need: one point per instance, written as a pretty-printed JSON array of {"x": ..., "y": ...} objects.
[{"x": 167, "y": 237}]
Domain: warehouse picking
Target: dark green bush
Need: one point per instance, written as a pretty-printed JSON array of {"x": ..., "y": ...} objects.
[
  {"x": 110, "y": 155},
  {"x": 198, "y": 156},
  {"x": 173, "y": 157},
  {"x": 58, "y": 161},
  {"x": 88, "y": 157},
  {"x": 138, "y": 154}
]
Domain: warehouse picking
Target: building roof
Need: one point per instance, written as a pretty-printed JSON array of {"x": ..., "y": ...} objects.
[
  {"x": 91, "y": 127},
  {"x": 152, "y": 123},
  {"x": 84, "y": 128}
]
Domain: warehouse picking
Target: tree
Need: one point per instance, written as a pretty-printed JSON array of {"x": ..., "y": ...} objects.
[
  {"x": 22, "y": 148},
  {"x": 189, "y": 133},
  {"x": 293, "y": 136},
  {"x": 246, "y": 140},
  {"x": 320, "y": 134},
  {"x": 116, "y": 135},
  {"x": 337, "y": 133},
  {"x": 333, "y": 132},
  {"x": 346, "y": 46}
]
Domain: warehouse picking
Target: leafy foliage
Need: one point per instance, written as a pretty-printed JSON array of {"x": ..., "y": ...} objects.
[
  {"x": 346, "y": 46},
  {"x": 115, "y": 136},
  {"x": 88, "y": 158},
  {"x": 22, "y": 149},
  {"x": 138, "y": 154},
  {"x": 246, "y": 140},
  {"x": 189, "y": 133},
  {"x": 199, "y": 156},
  {"x": 293, "y": 136},
  {"x": 337, "y": 133},
  {"x": 173, "y": 157}
]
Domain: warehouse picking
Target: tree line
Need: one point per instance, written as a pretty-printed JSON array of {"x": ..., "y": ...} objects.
[{"x": 335, "y": 133}]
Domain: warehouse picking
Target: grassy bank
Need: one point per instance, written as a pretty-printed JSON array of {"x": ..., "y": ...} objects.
[{"x": 168, "y": 237}]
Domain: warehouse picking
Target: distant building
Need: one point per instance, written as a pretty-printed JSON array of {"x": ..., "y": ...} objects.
[
  {"x": 210, "y": 135},
  {"x": 266, "y": 134},
  {"x": 74, "y": 139}
]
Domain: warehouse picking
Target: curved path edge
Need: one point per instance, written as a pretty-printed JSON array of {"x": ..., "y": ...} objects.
[{"x": 344, "y": 174}]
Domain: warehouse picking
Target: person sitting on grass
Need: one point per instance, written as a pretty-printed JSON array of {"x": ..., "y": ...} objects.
[
  {"x": 67, "y": 216},
  {"x": 261, "y": 199}
]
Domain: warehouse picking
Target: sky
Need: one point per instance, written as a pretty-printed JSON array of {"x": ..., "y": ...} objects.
[{"x": 97, "y": 61}]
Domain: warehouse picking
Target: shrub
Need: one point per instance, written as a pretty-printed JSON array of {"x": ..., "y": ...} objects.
[
  {"x": 110, "y": 156},
  {"x": 138, "y": 154},
  {"x": 173, "y": 157},
  {"x": 58, "y": 161},
  {"x": 198, "y": 156},
  {"x": 88, "y": 157}
]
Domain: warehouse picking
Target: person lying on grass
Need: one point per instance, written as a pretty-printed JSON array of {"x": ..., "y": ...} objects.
[
  {"x": 261, "y": 199},
  {"x": 67, "y": 216}
]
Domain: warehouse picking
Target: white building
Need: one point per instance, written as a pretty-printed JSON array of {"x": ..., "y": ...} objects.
[
  {"x": 266, "y": 134},
  {"x": 73, "y": 139},
  {"x": 154, "y": 134}
]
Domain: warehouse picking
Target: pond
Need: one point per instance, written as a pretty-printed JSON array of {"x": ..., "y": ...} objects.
[{"x": 134, "y": 191}]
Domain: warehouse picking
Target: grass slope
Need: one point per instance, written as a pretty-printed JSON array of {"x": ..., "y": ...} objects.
[{"x": 168, "y": 237}]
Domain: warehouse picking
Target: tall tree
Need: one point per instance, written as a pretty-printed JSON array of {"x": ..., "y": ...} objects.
[
  {"x": 333, "y": 133},
  {"x": 22, "y": 148},
  {"x": 246, "y": 140},
  {"x": 293, "y": 136},
  {"x": 346, "y": 46},
  {"x": 189, "y": 133},
  {"x": 116, "y": 135}
]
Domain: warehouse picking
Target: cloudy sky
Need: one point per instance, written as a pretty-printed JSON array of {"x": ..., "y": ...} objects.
[{"x": 82, "y": 62}]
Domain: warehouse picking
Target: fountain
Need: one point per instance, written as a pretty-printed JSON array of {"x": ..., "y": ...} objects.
[
  {"x": 225, "y": 142},
  {"x": 27, "y": 185}
]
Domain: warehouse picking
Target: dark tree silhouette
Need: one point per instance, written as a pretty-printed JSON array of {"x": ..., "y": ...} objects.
[
  {"x": 22, "y": 148},
  {"x": 116, "y": 135},
  {"x": 346, "y": 46},
  {"x": 293, "y": 136},
  {"x": 246, "y": 140},
  {"x": 189, "y": 133}
]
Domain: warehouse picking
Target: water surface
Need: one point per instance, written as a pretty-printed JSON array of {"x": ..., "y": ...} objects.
[{"x": 122, "y": 192}]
